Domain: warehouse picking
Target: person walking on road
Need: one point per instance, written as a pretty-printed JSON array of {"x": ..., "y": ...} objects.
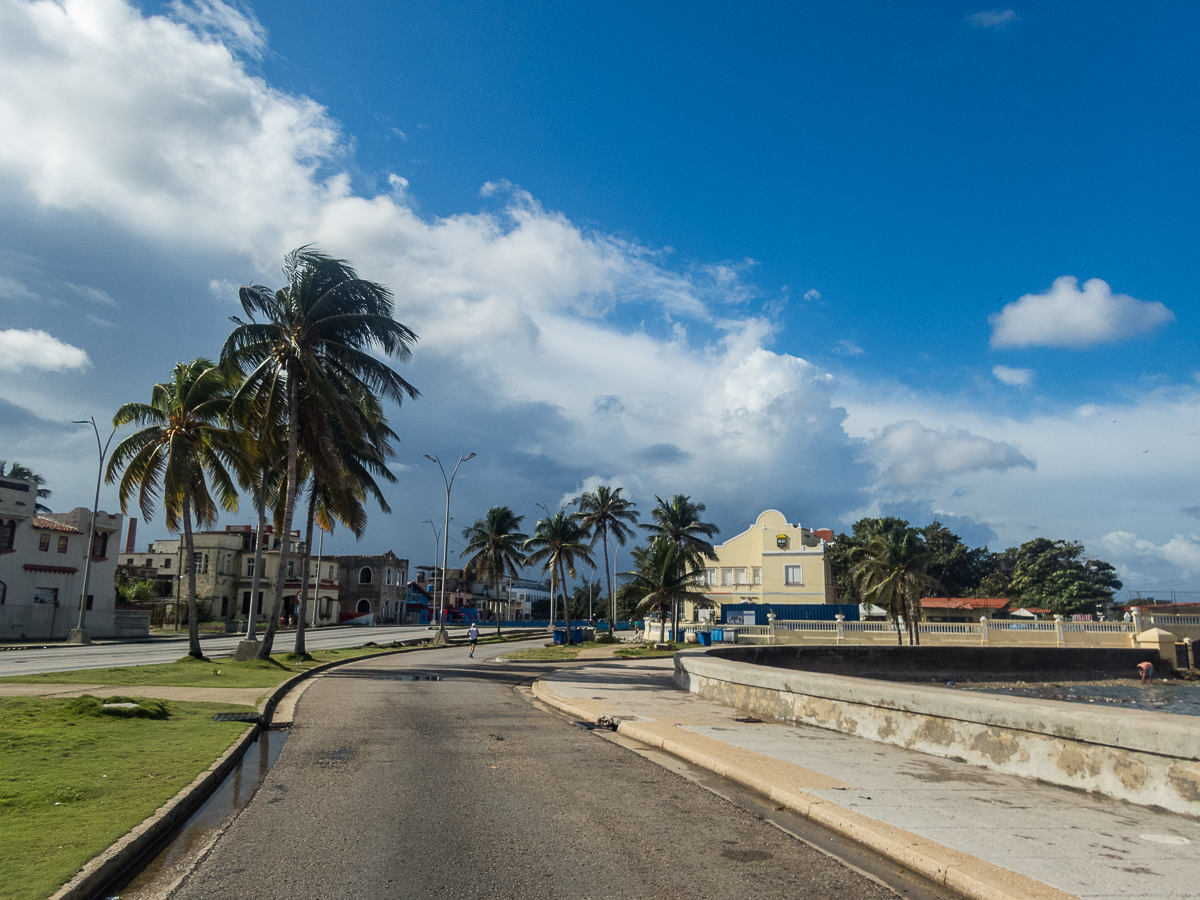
[{"x": 473, "y": 637}]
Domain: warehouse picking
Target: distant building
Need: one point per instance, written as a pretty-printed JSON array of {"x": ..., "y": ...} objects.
[
  {"x": 224, "y": 561},
  {"x": 962, "y": 609},
  {"x": 375, "y": 586},
  {"x": 42, "y": 559},
  {"x": 770, "y": 562}
]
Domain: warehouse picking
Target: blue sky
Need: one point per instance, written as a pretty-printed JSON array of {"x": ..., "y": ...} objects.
[{"x": 838, "y": 260}]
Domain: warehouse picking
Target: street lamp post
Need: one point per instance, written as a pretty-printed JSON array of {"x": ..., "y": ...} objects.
[
  {"x": 446, "y": 544},
  {"x": 78, "y": 634},
  {"x": 437, "y": 542}
]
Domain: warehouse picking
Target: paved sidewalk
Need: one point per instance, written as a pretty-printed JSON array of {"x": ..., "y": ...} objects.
[{"x": 984, "y": 834}]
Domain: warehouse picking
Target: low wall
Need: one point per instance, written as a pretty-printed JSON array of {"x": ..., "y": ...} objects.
[{"x": 1143, "y": 757}]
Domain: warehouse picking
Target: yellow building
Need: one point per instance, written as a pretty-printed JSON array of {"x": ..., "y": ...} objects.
[{"x": 771, "y": 562}]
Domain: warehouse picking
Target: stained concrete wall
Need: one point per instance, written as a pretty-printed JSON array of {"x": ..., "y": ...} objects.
[{"x": 1143, "y": 757}]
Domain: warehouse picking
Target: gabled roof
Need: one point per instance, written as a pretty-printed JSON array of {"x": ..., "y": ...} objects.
[
  {"x": 51, "y": 525},
  {"x": 964, "y": 602}
]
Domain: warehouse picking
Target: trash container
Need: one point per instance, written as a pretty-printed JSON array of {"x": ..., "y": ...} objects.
[
  {"x": 705, "y": 638},
  {"x": 577, "y": 635},
  {"x": 560, "y": 635},
  {"x": 718, "y": 634}
]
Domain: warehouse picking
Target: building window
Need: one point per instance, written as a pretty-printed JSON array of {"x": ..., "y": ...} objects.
[
  {"x": 756, "y": 574},
  {"x": 793, "y": 574},
  {"x": 250, "y": 568},
  {"x": 364, "y": 606},
  {"x": 45, "y": 595},
  {"x": 260, "y": 593},
  {"x": 166, "y": 564},
  {"x": 364, "y": 575},
  {"x": 331, "y": 573},
  {"x": 291, "y": 569},
  {"x": 62, "y": 544},
  {"x": 43, "y": 542},
  {"x": 129, "y": 562},
  {"x": 89, "y": 601},
  {"x": 739, "y": 576},
  {"x": 3, "y": 592},
  {"x": 387, "y": 576},
  {"x": 8, "y": 534},
  {"x": 726, "y": 577},
  {"x": 197, "y": 562},
  {"x": 100, "y": 545},
  {"x": 224, "y": 607},
  {"x": 245, "y": 603}
]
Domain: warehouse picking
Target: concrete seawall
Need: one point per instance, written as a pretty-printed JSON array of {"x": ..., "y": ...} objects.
[{"x": 1143, "y": 757}]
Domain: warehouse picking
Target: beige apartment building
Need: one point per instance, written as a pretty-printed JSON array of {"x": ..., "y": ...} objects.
[
  {"x": 224, "y": 565},
  {"x": 773, "y": 561}
]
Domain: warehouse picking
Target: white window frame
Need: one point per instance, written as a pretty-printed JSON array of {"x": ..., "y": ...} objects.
[
  {"x": 726, "y": 576},
  {"x": 793, "y": 574},
  {"x": 756, "y": 574}
]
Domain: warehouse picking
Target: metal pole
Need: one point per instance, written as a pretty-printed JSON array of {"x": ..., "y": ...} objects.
[
  {"x": 78, "y": 634},
  {"x": 317, "y": 587},
  {"x": 446, "y": 544},
  {"x": 437, "y": 543}
]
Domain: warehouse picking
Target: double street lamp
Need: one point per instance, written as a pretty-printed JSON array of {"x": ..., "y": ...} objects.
[
  {"x": 446, "y": 544},
  {"x": 78, "y": 634}
]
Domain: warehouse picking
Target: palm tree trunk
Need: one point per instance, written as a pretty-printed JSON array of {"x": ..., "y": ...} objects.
[
  {"x": 193, "y": 625},
  {"x": 496, "y": 597},
  {"x": 256, "y": 581},
  {"x": 289, "y": 507},
  {"x": 914, "y": 618},
  {"x": 553, "y": 587},
  {"x": 612, "y": 600},
  {"x": 303, "y": 601},
  {"x": 562, "y": 586}
]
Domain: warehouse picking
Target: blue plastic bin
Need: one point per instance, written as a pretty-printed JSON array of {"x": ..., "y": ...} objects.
[
  {"x": 560, "y": 635},
  {"x": 718, "y": 634},
  {"x": 705, "y": 638}
]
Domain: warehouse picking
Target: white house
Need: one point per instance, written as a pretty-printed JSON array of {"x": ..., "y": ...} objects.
[{"x": 42, "y": 560}]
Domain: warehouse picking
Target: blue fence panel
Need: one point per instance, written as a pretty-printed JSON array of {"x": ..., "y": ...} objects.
[{"x": 802, "y": 612}]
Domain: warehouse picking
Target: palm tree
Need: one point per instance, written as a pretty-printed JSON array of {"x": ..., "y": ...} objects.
[
  {"x": 603, "y": 512},
  {"x": 558, "y": 544},
  {"x": 890, "y": 571},
  {"x": 662, "y": 576},
  {"x": 494, "y": 545},
  {"x": 680, "y": 522},
  {"x": 185, "y": 442},
  {"x": 338, "y": 487},
  {"x": 311, "y": 356},
  {"x": 16, "y": 470}
]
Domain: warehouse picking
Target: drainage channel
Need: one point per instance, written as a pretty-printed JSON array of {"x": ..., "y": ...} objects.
[{"x": 175, "y": 855}]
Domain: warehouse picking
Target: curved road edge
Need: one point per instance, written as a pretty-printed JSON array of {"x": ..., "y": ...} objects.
[
  {"x": 103, "y": 868},
  {"x": 968, "y": 875}
]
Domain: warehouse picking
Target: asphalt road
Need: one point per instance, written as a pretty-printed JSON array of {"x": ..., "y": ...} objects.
[
  {"x": 394, "y": 788},
  {"x": 68, "y": 657}
]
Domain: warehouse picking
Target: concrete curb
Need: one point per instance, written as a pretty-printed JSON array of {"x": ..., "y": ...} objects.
[
  {"x": 958, "y": 871},
  {"x": 119, "y": 856}
]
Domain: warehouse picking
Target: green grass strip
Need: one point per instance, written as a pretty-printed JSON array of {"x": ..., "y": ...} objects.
[{"x": 74, "y": 778}]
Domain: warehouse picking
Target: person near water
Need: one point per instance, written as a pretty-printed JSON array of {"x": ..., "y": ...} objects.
[
  {"x": 473, "y": 637},
  {"x": 1147, "y": 670}
]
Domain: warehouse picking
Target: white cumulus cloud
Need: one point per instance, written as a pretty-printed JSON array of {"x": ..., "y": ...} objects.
[
  {"x": 908, "y": 454},
  {"x": 1017, "y": 377},
  {"x": 1067, "y": 316},
  {"x": 34, "y": 349}
]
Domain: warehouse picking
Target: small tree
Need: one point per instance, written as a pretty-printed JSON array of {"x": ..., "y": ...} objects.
[{"x": 495, "y": 548}]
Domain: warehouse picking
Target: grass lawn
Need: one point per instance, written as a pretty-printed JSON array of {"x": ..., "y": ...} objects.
[
  {"x": 189, "y": 672},
  {"x": 73, "y": 779}
]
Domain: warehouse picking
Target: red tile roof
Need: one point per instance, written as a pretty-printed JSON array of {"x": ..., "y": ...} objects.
[
  {"x": 51, "y": 525},
  {"x": 963, "y": 602}
]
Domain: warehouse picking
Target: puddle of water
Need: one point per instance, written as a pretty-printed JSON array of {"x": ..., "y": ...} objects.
[{"x": 230, "y": 797}]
